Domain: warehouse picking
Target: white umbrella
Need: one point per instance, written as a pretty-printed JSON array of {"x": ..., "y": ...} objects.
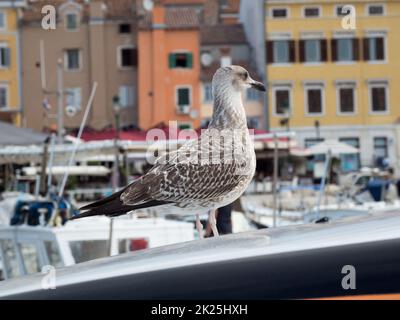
[{"x": 333, "y": 146}]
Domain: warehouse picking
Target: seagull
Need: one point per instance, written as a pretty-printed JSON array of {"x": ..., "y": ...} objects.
[{"x": 204, "y": 174}]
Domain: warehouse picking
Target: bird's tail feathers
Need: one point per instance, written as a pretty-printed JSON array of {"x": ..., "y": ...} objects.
[
  {"x": 101, "y": 202},
  {"x": 113, "y": 207}
]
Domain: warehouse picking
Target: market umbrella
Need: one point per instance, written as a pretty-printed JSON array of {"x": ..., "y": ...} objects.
[{"x": 333, "y": 146}]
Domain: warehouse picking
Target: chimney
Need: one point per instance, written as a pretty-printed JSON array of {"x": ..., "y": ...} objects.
[
  {"x": 211, "y": 12},
  {"x": 97, "y": 9},
  {"x": 226, "y": 59},
  {"x": 158, "y": 14}
]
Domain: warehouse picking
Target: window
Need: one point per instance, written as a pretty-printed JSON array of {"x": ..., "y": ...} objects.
[
  {"x": 30, "y": 257},
  {"x": 374, "y": 48},
  {"x": 10, "y": 263},
  {"x": 71, "y": 21},
  {"x": 281, "y": 51},
  {"x": 340, "y": 11},
  {"x": 53, "y": 253},
  {"x": 2, "y": 20},
  {"x": 126, "y": 96},
  {"x": 3, "y": 96},
  {"x": 312, "y": 49},
  {"x": 72, "y": 59},
  {"x": 74, "y": 98},
  {"x": 350, "y": 162},
  {"x": 180, "y": 60},
  {"x": 207, "y": 89},
  {"x": 128, "y": 245},
  {"x": 381, "y": 147},
  {"x": 314, "y": 100},
  {"x": 344, "y": 50},
  {"x": 378, "y": 98},
  {"x": 88, "y": 250},
  {"x": 346, "y": 99},
  {"x": 127, "y": 57},
  {"x": 279, "y": 12},
  {"x": 281, "y": 100},
  {"x": 376, "y": 10},
  {"x": 124, "y": 28},
  {"x": 183, "y": 100},
  {"x": 5, "y": 56},
  {"x": 312, "y": 12}
]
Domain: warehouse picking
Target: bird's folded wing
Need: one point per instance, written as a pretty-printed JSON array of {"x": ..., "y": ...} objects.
[
  {"x": 183, "y": 182},
  {"x": 194, "y": 172}
]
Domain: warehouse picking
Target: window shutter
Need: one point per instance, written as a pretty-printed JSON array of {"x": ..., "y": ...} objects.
[
  {"x": 380, "y": 54},
  {"x": 292, "y": 51},
  {"x": 171, "y": 59},
  {"x": 302, "y": 52},
  {"x": 324, "y": 50},
  {"x": 189, "y": 57},
  {"x": 356, "y": 50},
  {"x": 334, "y": 49},
  {"x": 270, "y": 51},
  {"x": 7, "y": 57},
  {"x": 365, "y": 49},
  {"x": 134, "y": 57}
]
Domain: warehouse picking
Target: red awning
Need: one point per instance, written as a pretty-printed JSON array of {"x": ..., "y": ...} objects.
[{"x": 139, "y": 135}]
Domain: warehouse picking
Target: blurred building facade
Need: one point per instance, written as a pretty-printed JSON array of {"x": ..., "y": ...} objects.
[
  {"x": 181, "y": 45},
  {"x": 326, "y": 81},
  {"x": 150, "y": 58},
  {"x": 169, "y": 68},
  {"x": 94, "y": 41},
  {"x": 10, "y": 64}
]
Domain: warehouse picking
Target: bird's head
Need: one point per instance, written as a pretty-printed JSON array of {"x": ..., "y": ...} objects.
[{"x": 237, "y": 77}]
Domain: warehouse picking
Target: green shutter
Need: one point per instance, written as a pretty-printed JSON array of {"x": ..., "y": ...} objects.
[
  {"x": 171, "y": 60},
  {"x": 190, "y": 60}
]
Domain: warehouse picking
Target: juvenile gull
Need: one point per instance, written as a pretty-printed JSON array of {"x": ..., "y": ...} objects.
[{"x": 204, "y": 174}]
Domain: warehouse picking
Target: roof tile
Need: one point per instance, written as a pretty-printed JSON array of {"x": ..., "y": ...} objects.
[{"x": 222, "y": 34}]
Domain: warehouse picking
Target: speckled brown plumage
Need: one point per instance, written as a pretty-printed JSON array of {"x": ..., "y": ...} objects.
[{"x": 203, "y": 174}]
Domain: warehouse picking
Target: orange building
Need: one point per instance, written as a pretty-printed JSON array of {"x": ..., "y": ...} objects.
[{"x": 169, "y": 70}]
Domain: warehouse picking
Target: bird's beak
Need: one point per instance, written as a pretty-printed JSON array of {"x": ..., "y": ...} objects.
[{"x": 257, "y": 85}]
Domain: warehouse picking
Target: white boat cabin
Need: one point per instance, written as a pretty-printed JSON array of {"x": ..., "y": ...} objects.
[{"x": 26, "y": 249}]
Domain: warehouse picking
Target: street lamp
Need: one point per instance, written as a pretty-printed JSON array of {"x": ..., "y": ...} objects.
[
  {"x": 117, "y": 111},
  {"x": 317, "y": 125}
]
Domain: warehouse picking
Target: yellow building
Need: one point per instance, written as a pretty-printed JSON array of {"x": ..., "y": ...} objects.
[
  {"x": 335, "y": 73},
  {"x": 10, "y": 64}
]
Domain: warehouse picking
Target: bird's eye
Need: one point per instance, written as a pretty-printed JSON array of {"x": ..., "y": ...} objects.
[{"x": 245, "y": 75}]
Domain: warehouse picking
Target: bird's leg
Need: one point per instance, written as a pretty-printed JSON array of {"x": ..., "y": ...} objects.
[
  {"x": 213, "y": 223},
  {"x": 199, "y": 226}
]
